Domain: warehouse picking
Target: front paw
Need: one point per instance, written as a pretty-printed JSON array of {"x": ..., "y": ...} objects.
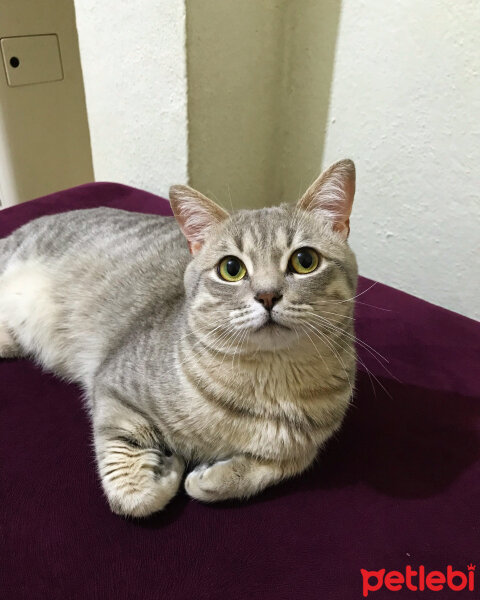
[
  {"x": 211, "y": 483},
  {"x": 141, "y": 482}
]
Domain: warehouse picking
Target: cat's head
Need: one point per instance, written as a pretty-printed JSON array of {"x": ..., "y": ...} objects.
[{"x": 267, "y": 279}]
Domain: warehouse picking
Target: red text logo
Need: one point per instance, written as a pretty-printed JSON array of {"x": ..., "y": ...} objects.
[{"x": 418, "y": 580}]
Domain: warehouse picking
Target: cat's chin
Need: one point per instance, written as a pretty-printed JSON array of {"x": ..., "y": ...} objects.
[{"x": 272, "y": 336}]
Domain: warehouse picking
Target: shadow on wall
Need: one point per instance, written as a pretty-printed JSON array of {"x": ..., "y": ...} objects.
[{"x": 259, "y": 85}]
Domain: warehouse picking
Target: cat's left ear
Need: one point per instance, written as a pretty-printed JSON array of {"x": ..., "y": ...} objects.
[
  {"x": 331, "y": 195},
  {"x": 195, "y": 213}
]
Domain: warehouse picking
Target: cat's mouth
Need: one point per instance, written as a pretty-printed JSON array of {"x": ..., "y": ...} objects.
[{"x": 271, "y": 324}]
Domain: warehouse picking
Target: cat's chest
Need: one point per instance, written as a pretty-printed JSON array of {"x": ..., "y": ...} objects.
[{"x": 263, "y": 412}]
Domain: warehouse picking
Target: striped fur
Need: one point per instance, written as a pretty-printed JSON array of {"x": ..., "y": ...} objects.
[{"x": 176, "y": 367}]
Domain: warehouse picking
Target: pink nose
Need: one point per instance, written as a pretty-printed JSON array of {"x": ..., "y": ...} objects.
[{"x": 268, "y": 299}]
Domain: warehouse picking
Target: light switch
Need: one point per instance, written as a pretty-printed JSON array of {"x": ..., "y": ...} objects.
[{"x": 31, "y": 59}]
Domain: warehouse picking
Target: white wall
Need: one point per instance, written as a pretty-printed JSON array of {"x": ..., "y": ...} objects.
[
  {"x": 134, "y": 68},
  {"x": 405, "y": 105}
]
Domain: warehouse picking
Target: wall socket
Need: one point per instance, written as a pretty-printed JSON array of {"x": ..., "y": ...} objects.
[
  {"x": 44, "y": 136},
  {"x": 31, "y": 59}
]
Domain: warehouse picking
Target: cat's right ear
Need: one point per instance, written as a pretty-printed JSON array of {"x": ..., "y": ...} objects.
[
  {"x": 331, "y": 196},
  {"x": 195, "y": 213}
]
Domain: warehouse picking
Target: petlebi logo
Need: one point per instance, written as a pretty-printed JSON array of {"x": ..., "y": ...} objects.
[{"x": 418, "y": 580}]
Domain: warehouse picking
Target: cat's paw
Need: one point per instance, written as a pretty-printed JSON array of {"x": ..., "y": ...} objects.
[
  {"x": 211, "y": 483},
  {"x": 142, "y": 482}
]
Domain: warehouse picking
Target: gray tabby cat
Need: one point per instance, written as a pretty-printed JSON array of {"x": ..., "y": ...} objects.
[{"x": 236, "y": 358}]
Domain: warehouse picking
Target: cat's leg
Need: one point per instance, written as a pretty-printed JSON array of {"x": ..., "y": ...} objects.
[
  {"x": 9, "y": 347},
  {"x": 239, "y": 477},
  {"x": 139, "y": 476}
]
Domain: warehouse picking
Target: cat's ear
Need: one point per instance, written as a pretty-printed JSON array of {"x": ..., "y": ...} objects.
[
  {"x": 195, "y": 213},
  {"x": 331, "y": 195}
]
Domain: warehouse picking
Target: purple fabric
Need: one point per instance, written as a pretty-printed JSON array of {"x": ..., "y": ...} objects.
[{"x": 399, "y": 485}]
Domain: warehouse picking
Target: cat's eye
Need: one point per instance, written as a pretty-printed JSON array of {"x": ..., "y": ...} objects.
[
  {"x": 231, "y": 268},
  {"x": 304, "y": 260}
]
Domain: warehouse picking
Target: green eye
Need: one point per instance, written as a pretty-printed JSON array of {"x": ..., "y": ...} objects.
[
  {"x": 231, "y": 268},
  {"x": 304, "y": 260}
]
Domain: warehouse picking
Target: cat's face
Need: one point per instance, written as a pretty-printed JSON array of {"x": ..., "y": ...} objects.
[
  {"x": 268, "y": 276},
  {"x": 267, "y": 279}
]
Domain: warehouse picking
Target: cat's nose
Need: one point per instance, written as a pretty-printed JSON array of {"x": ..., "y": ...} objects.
[{"x": 268, "y": 299}]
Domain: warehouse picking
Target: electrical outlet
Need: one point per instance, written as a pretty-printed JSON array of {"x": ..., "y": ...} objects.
[{"x": 31, "y": 59}]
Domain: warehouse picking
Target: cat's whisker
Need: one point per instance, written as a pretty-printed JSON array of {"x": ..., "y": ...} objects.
[
  {"x": 195, "y": 353},
  {"x": 370, "y": 350},
  {"x": 316, "y": 349},
  {"x": 372, "y": 306},
  {"x": 224, "y": 335},
  {"x": 235, "y": 337},
  {"x": 356, "y": 302},
  {"x": 241, "y": 321},
  {"x": 326, "y": 312},
  {"x": 355, "y": 338},
  {"x": 352, "y": 299},
  {"x": 361, "y": 344},
  {"x": 346, "y": 349},
  {"x": 370, "y": 373},
  {"x": 208, "y": 333},
  {"x": 240, "y": 346},
  {"x": 327, "y": 341}
]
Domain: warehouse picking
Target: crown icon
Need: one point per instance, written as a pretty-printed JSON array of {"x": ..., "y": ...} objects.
[{"x": 471, "y": 567}]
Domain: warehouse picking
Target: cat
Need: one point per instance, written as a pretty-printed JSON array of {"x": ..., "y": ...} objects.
[{"x": 229, "y": 354}]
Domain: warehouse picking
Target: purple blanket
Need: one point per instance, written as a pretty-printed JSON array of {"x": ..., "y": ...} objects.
[{"x": 399, "y": 486}]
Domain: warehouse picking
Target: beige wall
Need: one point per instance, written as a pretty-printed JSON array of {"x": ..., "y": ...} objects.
[
  {"x": 309, "y": 34},
  {"x": 258, "y": 96},
  {"x": 44, "y": 137},
  {"x": 233, "y": 92}
]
